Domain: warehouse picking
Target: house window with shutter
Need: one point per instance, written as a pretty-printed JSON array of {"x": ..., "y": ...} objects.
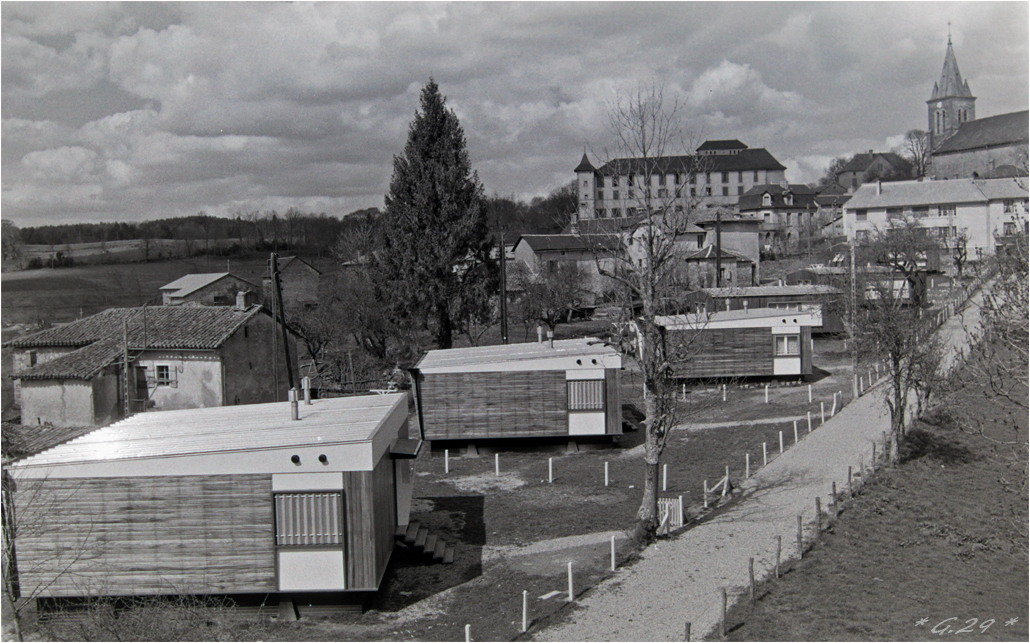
[
  {"x": 308, "y": 519},
  {"x": 163, "y": 376},
  {"x": 586, "y": 395}
]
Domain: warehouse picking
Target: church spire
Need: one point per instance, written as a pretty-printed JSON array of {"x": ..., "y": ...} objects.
[{"x": 951, "y": 84}]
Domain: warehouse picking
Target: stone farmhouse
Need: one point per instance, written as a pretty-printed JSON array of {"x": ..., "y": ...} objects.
[{"x": 206, "y": 289}]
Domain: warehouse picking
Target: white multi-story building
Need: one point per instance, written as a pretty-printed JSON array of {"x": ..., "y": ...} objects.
[
  {"x": 983, "y": 208},
  {"x": 718, "y": 173}
]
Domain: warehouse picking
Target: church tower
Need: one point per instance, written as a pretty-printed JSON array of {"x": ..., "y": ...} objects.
[{"x": 951, "y": 103}]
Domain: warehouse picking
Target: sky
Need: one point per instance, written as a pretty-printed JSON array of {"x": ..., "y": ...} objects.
[{"x": 136, "y": 111}]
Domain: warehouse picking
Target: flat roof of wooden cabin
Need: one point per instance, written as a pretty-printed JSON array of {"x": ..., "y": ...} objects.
[
  {"x": 247, "y": 427},
  {"x": 514, "y": 352},
  {"x": 700, "y": 320}
]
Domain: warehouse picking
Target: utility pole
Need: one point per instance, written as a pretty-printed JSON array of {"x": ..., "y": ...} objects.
[
  {"x": 504, "y": 292},
  {"x": 854, "y": 331},
  {"x": 718, "y": 247},
  {"x": 278, "y": 295}
]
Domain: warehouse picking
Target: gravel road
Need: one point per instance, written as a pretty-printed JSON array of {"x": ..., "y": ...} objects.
[{"x": 681, "y": 579}]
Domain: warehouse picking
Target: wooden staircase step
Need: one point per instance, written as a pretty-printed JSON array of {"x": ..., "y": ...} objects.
[
  {"x": 440, "y": 549},
  {"x": 420, "y": 539},
  {"x": 431, "y": 541},
  {"x": 411, "y": 532},
  {"x": 400, "y": 531},
  {"x": 448, "y": 556}
]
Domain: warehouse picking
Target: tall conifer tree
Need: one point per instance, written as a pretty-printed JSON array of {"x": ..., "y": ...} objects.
[{"x": 433, "y": 240}]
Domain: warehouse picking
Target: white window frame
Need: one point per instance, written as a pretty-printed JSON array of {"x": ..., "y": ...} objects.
[{"x": 784, "y": 347}]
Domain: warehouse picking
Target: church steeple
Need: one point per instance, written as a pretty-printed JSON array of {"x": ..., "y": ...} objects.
[{"x": 951, "y": 102}]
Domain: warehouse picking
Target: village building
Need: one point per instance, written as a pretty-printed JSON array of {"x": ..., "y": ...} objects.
[
  {"x": 550, "y": 389},
  {"x": 260, "y": 499},
  {"x": 298, "y": 281},
  {"x": 788, "y": 214},
  {"x": 874, "y": 166},
  {"x": 718, "y": 173},
  {"x": 207, "y": 289},
  {"x": 178, "y": 357},
  {"x": 982, "y": 209},
  {"x": 759, "y": 342}
]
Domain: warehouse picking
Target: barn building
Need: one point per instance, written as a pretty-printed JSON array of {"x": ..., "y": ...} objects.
[
  {"x": 234, "y": 500},
  {"x": 762, "y": 342},
  {"x": 565, "y": 388}
]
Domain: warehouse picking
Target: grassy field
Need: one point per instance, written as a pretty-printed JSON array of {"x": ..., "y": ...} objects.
[{"x": 934, "y": 548}]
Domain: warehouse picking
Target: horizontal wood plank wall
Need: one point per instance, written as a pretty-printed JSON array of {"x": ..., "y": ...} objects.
[
  {"x": 495, "y": 405},
  {"x": 145, "y": 536},
  {"x": 371, "y": 520},
  {"x": 723, "y": 352},
  {"x": 613, "y": 402}
]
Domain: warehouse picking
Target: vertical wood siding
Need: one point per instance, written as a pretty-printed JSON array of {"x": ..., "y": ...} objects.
[
  {"x": 139, "y": 536},
  {"x": 723, "y": 352},
  {"x": 613, "y": 402},
  {"x": 371, "y": 520},
  {"x": 494, "y": 405}
]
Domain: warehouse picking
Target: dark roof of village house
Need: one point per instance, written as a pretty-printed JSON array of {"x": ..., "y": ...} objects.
[
  {"x": 21, "y": 441},
  {"x": 721, "y": 144},
  {"x": 603, "y": 226},
  {"x": 283, "y": 262},
  {"x": 585, "y": 165},
  {"x": 804, "y": 196},
  {"x": 1003, "y": 129},
  {"x": 170, "y": 327},
  {"x": 708, "y": 252},
  {"x": 82, "y": 364},
  {"x": 567, "y": 242},
  {"x": 862, "y": 161}
]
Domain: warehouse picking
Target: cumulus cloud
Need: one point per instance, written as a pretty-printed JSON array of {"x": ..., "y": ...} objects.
[{"x": 142, "y": 110}]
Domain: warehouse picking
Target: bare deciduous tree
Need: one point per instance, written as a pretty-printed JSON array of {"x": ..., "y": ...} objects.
[{"x": 915, "y": 148}]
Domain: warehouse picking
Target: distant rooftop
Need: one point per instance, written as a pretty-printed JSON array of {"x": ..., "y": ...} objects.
[{"x": 588, "y": 346}]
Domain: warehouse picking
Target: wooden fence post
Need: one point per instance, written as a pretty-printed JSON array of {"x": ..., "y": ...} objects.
[
  {"x": 724, "y": 611},
  {"x": 751, "y": 574},
  {"x": 822, "y": 413},
  {"x": 818, "y": 514},
  {"x": 851, "y": 490},
  {"x": 801, "y": 542},
  {"x": 525, "y": 610},
  {"x": 726, "y": 485},
  {"x": 686, "y": 634},
  {"x": 779, "y": 545},
  {"x": 571, "y": 596},
  {"x": 795, "y": 431},
  {"x": 834, "y": 494},
  {"x": 765, "y": 456},
  {"x": 706, "y": 493}
]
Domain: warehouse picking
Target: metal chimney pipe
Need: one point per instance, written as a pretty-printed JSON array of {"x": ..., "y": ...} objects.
[
  {"x": 306, "y": 383},
  {"x": 294, "y": 410}
]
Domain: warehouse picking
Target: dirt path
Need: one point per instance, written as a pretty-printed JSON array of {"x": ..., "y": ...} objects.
[{"x": 681, "y": 580}]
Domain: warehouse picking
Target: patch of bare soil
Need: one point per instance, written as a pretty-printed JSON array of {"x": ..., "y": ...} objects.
[{"x": 934, "y": 548}]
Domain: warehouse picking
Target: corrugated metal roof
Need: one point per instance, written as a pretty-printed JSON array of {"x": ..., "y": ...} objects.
[
  {"x": 21, "y": 440},
  {"x": 81, "y": 364},
  {"x": 249, "y": 427},
  {"x": 770, "y": 291},
  {"x": 514, "y": 352},
  {"x": 190, "y": 327},
  {"x": 1003, "y": 129}
]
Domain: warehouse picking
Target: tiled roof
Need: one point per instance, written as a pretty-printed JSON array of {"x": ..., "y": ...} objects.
[
  {"x": 172, "y": 327},
  {"x": 191, "y": 283},
  {"x": 723, "y": 144},
  {"x": 861, "y": 162},
  {"x": 1003, "y": 129},
  {"x": 708, "y": 216},
  {"x": 556, "y": 242},
  {"x": 603, "y": 226},
  {"x": 804, "y": 196},
  {"x": 708, "y": 252},
  {"x": 746, "y": 160},
  {"x": 81, "y": 364},
  {"x": 902, "y": 193},
  {"x": 21, "y": 440},
  {"x": 283, "y": 262},
  {"x": 585, "y": 165}
]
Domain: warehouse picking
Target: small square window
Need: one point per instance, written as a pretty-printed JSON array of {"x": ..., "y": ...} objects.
[
  {"x": 725, "y": 190},
  {"x": 788, "y": 345},
  {"x": 661, "y": 179},
  {"x": 163, "y": 376}
]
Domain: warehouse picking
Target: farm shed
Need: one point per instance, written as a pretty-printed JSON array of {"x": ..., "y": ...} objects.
[
  {"x": 758, "y": 342},
  {"x": 206, "y": 289},
  {"x": 546, "y": 389},
  {"x": 231, "y": 500},
  {"x": 793, "y": 298}
]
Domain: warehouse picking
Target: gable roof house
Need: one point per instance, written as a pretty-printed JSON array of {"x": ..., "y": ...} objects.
[
  {"x": 298, "y": 281},
  {"x": 207, "y": 289},
  {"x": 179, "y": 357},
  {"x": 787, "y": 211},
  {"x": 870, "y": 166},
  {"x": 991, "y": 147}
]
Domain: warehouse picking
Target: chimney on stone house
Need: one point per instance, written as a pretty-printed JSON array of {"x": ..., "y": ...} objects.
[{"x": 244, "y": 299}]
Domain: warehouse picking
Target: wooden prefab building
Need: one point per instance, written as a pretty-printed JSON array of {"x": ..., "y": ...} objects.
[
  {"x": 548, "y": 389},
  {"x": 759, "y": 342},
  {"x": 230, "y": 500}
]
